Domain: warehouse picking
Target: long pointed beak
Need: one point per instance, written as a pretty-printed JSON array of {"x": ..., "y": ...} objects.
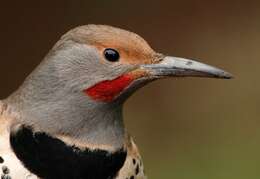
[{"x": 180, "y": 67}]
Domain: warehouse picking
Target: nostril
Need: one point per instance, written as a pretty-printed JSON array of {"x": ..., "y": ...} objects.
[{"x": 189, "y": 63}]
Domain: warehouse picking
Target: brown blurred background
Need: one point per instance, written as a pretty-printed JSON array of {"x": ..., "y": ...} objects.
[{"x": 185, "y": 128}]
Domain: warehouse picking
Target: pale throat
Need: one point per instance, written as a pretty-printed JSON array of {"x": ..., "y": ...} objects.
[
  {"x": 105, "y": 131},
  {"x": 77, "y": 119}
]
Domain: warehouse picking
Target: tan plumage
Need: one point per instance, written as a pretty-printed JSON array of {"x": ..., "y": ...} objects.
[
  {"x": 133, "y": 166},
  {"x": 15, "y": 167}
]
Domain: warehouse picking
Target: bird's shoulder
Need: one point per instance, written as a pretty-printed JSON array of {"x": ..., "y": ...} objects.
[
  {"x": 10, "y": 166},
  {"x": 3, "y": 119},
  {"x": 133, "y": 167}
]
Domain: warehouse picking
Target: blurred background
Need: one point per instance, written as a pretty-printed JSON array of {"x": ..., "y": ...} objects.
[{"x": 185, "y": 128}]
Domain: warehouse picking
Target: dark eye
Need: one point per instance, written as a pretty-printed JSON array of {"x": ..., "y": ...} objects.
[{"x": 111, "y": 55}]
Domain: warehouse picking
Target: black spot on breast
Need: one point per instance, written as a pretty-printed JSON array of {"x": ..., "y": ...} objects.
[
  {"x": 51, "y": 158},
  {"x": 5, "y": 176},
  {"x": 134, "y": 161},
  {"x": 132, "y": 177},
  {"x": 137, "y": 170},
  {"x": 5, "y": 170},
  {"x": 1, "y": 160}
]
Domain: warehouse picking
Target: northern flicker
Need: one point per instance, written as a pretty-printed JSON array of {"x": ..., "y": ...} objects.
[{"x": 65, "y": 121}]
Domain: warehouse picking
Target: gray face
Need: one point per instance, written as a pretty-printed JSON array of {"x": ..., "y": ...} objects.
[
  {"x": 80, "y": 66},
  {"x": 73, "y": 92},
  {"x": 78, "y": 61}
]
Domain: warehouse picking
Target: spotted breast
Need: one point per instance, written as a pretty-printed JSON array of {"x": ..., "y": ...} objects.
[{"x": 133, "y": 167}]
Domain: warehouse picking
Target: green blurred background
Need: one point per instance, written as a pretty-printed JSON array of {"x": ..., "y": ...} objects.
[{"x": 185, "y": 128}]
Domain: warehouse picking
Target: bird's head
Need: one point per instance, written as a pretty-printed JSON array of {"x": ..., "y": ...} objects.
[
  {"x": 89, "y": 73},
  {"x": 105, "y": 63}
]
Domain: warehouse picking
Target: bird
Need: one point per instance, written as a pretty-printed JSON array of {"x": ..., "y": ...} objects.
[{"x": 65, "y": 121}]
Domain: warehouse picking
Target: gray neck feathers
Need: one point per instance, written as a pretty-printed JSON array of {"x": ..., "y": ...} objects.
[{"x": 51, "y": 100}]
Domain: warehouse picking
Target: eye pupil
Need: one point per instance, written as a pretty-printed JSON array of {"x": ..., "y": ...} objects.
[{"x": 111, "y": 55}]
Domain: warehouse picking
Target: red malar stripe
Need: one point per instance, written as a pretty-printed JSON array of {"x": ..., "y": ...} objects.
[{"x": 107, "y": 90}]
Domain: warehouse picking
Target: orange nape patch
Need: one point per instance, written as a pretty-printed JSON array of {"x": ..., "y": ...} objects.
[{"x": 107, "y": 90}]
